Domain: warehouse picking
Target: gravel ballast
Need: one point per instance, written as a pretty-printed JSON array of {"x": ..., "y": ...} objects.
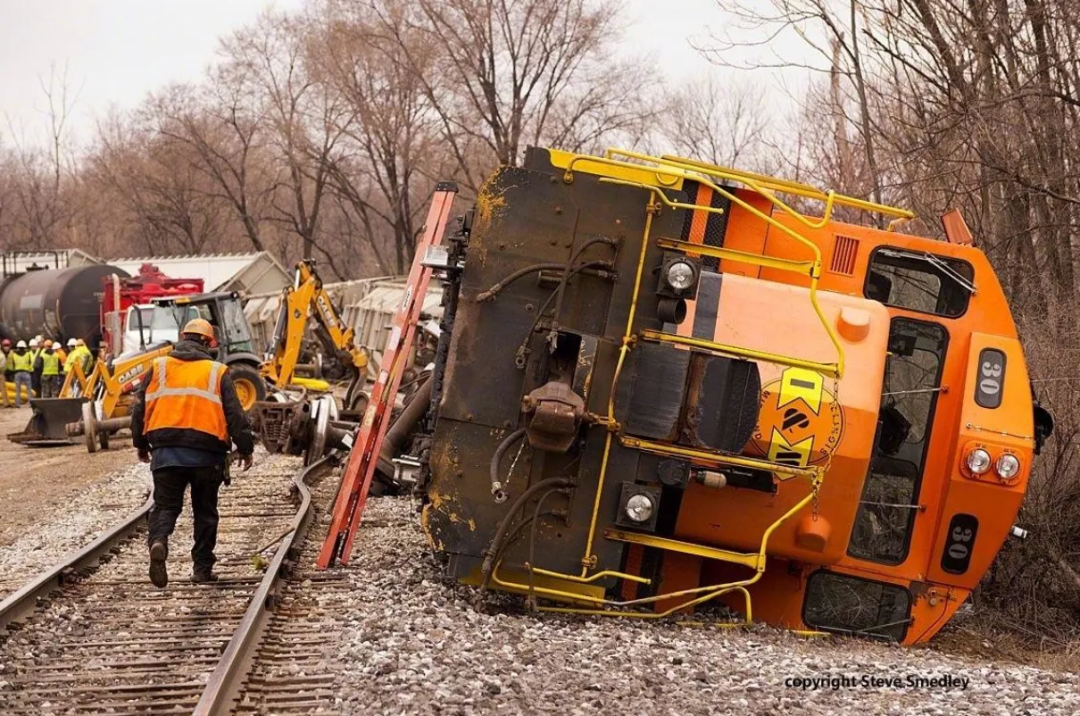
[
  {"x": 413, "y": 644},
  {"x": 78, "y": 523}
]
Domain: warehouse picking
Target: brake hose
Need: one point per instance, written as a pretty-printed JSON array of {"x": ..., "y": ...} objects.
[
  {"x": 504, "y": 525},
  {"x": 496, "y": 485}
]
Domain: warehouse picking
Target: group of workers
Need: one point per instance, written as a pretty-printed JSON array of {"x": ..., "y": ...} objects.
[
  {"x": 40, "y": 367},
  {"x": 184, "y": 422}
]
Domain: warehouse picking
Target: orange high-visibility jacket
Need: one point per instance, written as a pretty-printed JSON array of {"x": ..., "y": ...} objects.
[{"x": 186, "y": 395}]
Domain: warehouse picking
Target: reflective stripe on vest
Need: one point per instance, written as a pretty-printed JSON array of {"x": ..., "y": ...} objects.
[
  {"x": 23, "y": 362},
  {"x": 186, "y": 395},
  {"x": 50, "y": 363}
]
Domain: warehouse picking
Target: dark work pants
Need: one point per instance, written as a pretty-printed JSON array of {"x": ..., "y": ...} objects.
[
  {"x": 169, "y": 486},
  {"x": 51, "y": 385}
]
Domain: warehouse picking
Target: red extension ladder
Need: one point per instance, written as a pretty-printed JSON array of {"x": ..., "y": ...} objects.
[{"x": 365, "y": 450}]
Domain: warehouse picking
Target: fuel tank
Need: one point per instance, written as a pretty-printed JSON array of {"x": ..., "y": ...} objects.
[{"x": 58, "y": 303}]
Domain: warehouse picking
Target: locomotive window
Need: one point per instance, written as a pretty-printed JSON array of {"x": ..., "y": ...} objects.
[
  {"x": 837, "y": 602},
  {"x": 920, "y": 282},
  {"x": 886, "y": 513}
]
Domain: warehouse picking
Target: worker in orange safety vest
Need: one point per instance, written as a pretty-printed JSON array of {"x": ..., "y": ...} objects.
[{"x": 183, "y": 423}]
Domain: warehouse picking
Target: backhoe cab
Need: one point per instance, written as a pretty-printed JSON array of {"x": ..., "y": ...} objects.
[{"x": 225, "y": 313}]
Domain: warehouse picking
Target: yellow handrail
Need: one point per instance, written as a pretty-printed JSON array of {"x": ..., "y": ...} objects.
[
  {"x": 812, "y": 269},
  {"x": 588, "y": 560},
  {"x": 715, "y": 458},
  {"x": 693, "y": 602},
  {"x": 742, "y": 177},
  {"x": 785, "y": 186},
  {"x": 706, "y": 593},
  {"x": 736, "y": 351},
  {"x": 837, "y": 369},
  {"x": 745, "y": 257},
  {"x": 589, "y": 580}
]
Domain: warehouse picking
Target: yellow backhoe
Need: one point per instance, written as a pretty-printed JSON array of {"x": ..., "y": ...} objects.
[
  {"x": 307, "y": 298},
  {"x": 96, "y": 405}
]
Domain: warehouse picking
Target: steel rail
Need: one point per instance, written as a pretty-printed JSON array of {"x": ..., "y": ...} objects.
[
  {"x": 226, "y": 681},
  {"x": 25, "y": 600}
]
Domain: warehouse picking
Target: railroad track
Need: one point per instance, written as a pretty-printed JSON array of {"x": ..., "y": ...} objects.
[
  {"x": 294, "y": 668},
  {"x": 92, "y": 635}
]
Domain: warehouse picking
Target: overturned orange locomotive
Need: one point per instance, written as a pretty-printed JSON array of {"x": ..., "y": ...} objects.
[{"x": 664, "y": 386}]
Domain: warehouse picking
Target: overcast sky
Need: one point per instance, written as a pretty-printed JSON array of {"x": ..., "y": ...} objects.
[{"x": 115, "y": 51}]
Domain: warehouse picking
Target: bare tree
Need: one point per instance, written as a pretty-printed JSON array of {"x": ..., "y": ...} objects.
[
  {"x": 305, "y": 119},
  {"x": 37, "y": 209},
  {"x": 225, "y": 135},
  {"x": 724, "y": 122},
  {"x": 507, "y": 72},
  {"x": 833, "y": 29},
  {"x": 390, "y": 153},
  {"x": 170, "y": 201}
]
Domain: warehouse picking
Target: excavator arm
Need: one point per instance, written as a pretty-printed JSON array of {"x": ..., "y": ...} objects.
[{"x": 307, "y": 298}]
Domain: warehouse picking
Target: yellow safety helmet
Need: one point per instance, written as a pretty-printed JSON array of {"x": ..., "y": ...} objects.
[{"x": 199, "y": 327}]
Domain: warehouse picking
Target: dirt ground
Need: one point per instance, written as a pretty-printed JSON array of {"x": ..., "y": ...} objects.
[{"x": 37, "y": 482}]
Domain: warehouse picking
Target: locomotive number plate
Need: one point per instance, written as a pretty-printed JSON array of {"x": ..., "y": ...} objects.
[
  {"x": 959, "y": 543},
  {"x": 991, "y": 381}
]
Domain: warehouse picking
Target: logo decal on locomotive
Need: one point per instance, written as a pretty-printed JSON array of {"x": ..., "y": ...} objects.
[{"x": 800, "y": 422}]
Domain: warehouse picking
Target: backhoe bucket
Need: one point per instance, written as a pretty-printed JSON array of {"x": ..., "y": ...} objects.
[{"x": 48, "y": 425}]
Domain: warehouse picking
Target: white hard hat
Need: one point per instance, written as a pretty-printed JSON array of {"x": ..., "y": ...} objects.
[
  {"x": 71, "y": 342},
  {"x": 33, "y": 342},
  {"x": 21, "y": 344}
]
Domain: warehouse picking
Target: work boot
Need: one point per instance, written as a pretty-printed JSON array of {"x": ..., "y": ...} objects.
[
  {"x": 202, "y": 575},
  {"x": 159, "y": 575}
]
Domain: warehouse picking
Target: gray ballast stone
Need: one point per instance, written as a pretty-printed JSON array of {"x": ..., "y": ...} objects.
[{"x": 414, "y": 644}]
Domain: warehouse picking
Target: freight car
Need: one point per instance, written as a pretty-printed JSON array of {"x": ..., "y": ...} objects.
[
  {"x": 665, "y": 387},
  {"x": 56, "y": 303}
]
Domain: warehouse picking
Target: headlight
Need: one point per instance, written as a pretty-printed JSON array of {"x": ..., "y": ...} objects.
[
  {"x": 639, "y": 508},
  {"x": 978, "y": 461},
  {"x": 680, "y": 275},
  {"x": 1008, "y": 466}
]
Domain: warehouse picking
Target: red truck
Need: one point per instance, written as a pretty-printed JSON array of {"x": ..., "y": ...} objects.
[{"x": 127, "y": 316}]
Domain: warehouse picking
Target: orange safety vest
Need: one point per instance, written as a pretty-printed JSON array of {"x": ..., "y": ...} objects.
[{"x": 186, "y": 395}]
